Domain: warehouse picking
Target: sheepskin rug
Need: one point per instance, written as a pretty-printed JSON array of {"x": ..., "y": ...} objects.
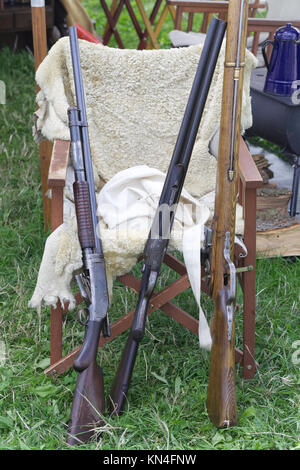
[{"x": 135, "y": 103}]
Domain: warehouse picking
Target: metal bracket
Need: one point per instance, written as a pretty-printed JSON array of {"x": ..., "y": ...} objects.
[
  {"x": 83, "y": 287},
  {"x": 232, "y": 287},
  {"x": 206, "y": 253}
]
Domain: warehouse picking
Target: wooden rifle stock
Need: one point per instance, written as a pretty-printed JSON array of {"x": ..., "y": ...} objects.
[
  {"x": 221, "y": 397},
  {"x": 88, "y": 402}
]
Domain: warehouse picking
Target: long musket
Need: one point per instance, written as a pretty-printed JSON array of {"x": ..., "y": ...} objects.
[
  {"x": 88, "y": 402},
  {"x": 156, "y": 246},
  {"x": 295, "y": 188},
  {"x": 221, "y": 395}
]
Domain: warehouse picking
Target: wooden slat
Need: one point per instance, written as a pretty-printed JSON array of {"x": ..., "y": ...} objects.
[
  {"x": 45, "y": 158},
  {"x": 147, "y": 24},
  {"x": 175, "y": 264},
  {"x": 40, "y": 49},
  {"x": 59, "y": 163},
  {"x": 200, "y": 6},
  {"x": 265, "y": 25},
  {"x": 248, "y": 171},
  {"x": 211, "y": 6},
  {"x": 157, "y": 301}
]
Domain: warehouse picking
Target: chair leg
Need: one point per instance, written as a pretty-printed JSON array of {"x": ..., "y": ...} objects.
[
  {"x": 249, "y": 283},
  {"x": 56, "y": 319},
  {"x": 45, "y": 157}
]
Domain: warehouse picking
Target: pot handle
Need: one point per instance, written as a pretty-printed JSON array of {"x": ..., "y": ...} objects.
[{"x": 264, "y": 52}]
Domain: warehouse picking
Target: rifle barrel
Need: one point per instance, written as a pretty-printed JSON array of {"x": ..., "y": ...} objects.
[
  {"x": 88, "y": 403},
  {"x": 84, "y": 130},
  {"x": 196, "y": 102},
  {"x": 295, "y": 189}
]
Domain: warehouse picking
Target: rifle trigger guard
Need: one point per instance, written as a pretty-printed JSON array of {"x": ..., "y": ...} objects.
[
  {"x": 83, "y": 317},
  {"x": 232, "y": 287}
]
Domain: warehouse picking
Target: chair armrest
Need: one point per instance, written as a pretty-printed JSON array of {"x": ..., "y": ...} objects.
[
  {"x": 199, "y": 4},
  {"x": 214, "y": 6},
  {"x": 248, "y": 172},
  {"x": 264, "y": 25},
  {"x": 207, "y": 8},
  {"x": 57, "y": 179},
  {"x": 59, "y": 164}
]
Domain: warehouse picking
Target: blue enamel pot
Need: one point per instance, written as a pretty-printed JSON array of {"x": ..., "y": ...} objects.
[{"x": 283, "y": 69}]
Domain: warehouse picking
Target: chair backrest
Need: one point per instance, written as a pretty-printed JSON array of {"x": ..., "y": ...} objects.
[
  {"x": 283, "y": 10},
  {"x": 207, "y": 9}
]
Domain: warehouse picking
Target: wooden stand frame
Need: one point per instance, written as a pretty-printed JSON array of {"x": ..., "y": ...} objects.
[
  {"x": 39, "y": 34},
  {"x": 249, "y": 181},
  {"x": 150, "y": 31}
]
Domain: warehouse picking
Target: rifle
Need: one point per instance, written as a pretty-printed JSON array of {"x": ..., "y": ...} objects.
[
  {"x": 158, "y": 239},
  {"x": 221, "y": 396},
  {"x": 88, "y": 402},
  {"x": 295, "y": 188}
]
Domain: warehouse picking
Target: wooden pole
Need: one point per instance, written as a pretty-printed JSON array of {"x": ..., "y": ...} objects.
[{"x": 39, "y": 34}]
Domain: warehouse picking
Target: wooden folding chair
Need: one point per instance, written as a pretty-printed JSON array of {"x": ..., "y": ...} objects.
[{"x": 249, "y": 181}]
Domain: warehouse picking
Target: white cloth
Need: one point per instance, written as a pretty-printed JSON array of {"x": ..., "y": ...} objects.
[
  {"x": 135, "y": 103},
  {"x": 126, "y": 207}
]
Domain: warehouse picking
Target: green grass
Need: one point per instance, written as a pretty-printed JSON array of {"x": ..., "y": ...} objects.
[{"x": 168, "y": 391}]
